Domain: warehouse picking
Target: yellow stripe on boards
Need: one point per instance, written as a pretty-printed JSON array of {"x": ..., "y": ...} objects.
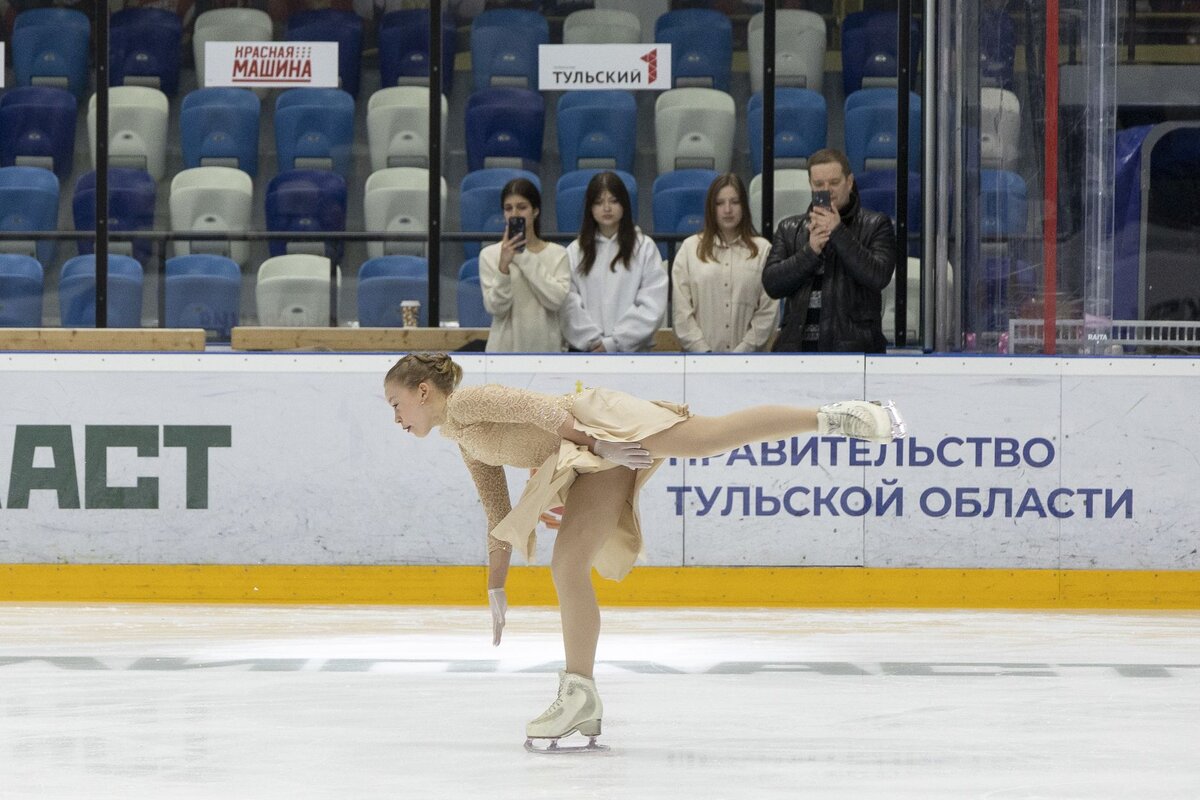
[{"x": 812, "y": 587}]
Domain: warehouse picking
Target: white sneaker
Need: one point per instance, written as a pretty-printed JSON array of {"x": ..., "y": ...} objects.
[
  {"x": 577, "y": 708},
  {"x": 862, "y": 419}
]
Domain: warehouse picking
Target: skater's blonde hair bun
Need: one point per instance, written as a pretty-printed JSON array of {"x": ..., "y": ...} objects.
[{"x": 437, "y": 369}]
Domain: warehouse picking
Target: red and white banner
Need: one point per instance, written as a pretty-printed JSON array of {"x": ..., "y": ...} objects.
[
  {"x": 604, "y": 66},
  {"x": 271, "y": 64}
]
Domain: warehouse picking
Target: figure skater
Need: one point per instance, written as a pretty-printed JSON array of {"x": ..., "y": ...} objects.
[{"x": 593, "y": 450}]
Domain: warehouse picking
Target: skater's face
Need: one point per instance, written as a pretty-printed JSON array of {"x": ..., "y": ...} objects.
[
  {"x": 413, "y": 407},
  {"x": 829, "y": 177}
]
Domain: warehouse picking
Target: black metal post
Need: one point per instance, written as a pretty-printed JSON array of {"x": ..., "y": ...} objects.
[
  {"x": 768, "y": 128},
  {"x": 100, "y": 56},
  {"x": 903, "y": 44},
  {"x": 434, "y": 246}
]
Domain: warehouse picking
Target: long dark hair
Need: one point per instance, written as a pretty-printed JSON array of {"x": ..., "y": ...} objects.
[
  {"x": 525, "y": 188},
  {"x": 626, "y": 231},
  {"x": 745, "y": 228}
]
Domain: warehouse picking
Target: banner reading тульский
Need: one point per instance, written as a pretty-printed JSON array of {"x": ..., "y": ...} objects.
[{"x": 604, "y": 66}]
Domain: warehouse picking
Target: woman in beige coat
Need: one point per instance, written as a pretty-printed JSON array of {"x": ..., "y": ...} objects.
[{"x": 524, "y": 279}]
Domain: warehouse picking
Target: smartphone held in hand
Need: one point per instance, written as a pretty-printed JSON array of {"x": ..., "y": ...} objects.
[
  {"x": 822, "y": 199},
  {"x": 516, "y": 230}
]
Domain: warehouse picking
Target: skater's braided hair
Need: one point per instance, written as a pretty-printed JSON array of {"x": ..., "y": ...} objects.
[{"x": 437, "y": 369}]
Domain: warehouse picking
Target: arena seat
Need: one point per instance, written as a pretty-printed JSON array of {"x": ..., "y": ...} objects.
[
  {"x": 398, "y": 126},
  {"x": 306, "y": 201},
  {"x": 997, "y": 49},
  {"x": 647, "y": 12},
  {"x": 471, "y": 311},
  {"x": 504, "y": 47},
  {"x": 77, "y": 292},
  {"x": 800, "y": 126},
  {"x": 871, "y": 132},
  {"x": 571, "y": 191},
  {"x": 701, "y": 42},
  {"x": 219, "y": 128},
  {"x": 50, "y": 47},
  {"x": 212, "y": 199},
  {"x": 693, "y": 128},
  {"x": 29, "y": 202},
  {"x": 384, "y": 283},
  {"x": 404, "y": 49},
  {"x": 869, "y": 50},
  {"x": 1003, "y": 203},
  {"x": 913, "y": 299},
  {"x": 793, "y": 195},
  {"x": 203, "y": 291},
  {"x": 877, "y": 192},
  {"x": 21, "y": 285},
  {"x": 330, "y": 25},
  {"x": 602, "y": 26},
  {"x": 678, "y": 201},
  {"x": 999, "y": 128},
  {"x": 37, "y": 129},
  {"x": 597, "y": 130},
  {"x": 137, "y": 119},
  {"x": 799, "y": 49},
  {"x": 228, "y": 25},
  {"x": 293, "y": 291},
  {"x": 314, "y": 129},
  {"x": 505, "y": 128},
  {"x": 396, "y": 200},
  {"x": 143, "y": 49},
  {"x": 131, "y": 199},
  {"x": 479, "y": 201}
]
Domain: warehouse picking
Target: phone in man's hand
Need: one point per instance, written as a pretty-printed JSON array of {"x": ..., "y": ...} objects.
[
  {"x": 822, "y": 198},
  {"x": 516, "y": 230}
]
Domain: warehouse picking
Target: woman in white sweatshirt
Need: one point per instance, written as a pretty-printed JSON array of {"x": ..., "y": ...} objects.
[
  {"x": 524, "y": 279},
  {"x": 618, "y": 294}
]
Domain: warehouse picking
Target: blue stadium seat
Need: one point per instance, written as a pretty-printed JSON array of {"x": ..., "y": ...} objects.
[
  {"x": 997, "y": 49},
  {"x": 329, "y": 25},
  {"x": 404, "y": 49},
  {"x": 800, "y": 125},
  {"x": 505, "y": 128},
  {"x": 131, "y": 195},
  {"x": 877, "y": 192},
  {"x": 871, "y": 98},
  {"x": 384, "y": 283},
  {"x": 679, "y": 201},
  {"x": 869, "y": 50},
  {"x": 597, "y": 130},
  {"x": 1003, "y": 203},
  {"x": 307, "y": 201},
  {"x": 871, "y": 133},
  {"x": 21, "y": 282},
  {"x": 701, "y": 42},
  {"x": 203, "y": 291},
  {"x": 504, "y": 47},
  {"x": 77, "y": 292},
  {"x": 479, "y": 201},
  {"x": 37, "y": 129},
  {"x": 471, "y": 311},
  {"x": 50, "y": 47},
  {"x": 314, "y": 129},
  {"x": 143, "y": 49},
  {"x": 29, "y": 202},
  {"x": 219, "y": 128},
  {"x": 571, "y": 191}
]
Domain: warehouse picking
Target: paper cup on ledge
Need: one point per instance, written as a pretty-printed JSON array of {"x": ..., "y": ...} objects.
[{"x": 410, "y": 313}]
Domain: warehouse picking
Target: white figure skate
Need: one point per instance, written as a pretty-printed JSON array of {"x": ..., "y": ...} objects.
[
  {"x": 577, "y": 708},
  {"x": 872, "y": 420}
]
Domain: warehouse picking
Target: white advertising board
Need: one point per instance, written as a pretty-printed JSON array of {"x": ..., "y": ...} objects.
[
  {"x": 271, "y": 64},
  {"x": 572, "y": 67},
  {"x": 294, "y": 459}
]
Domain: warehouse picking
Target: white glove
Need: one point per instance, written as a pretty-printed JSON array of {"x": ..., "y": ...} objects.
[
  {"x": 625, "y": 454},
  {"x": 499, "y": 603}
]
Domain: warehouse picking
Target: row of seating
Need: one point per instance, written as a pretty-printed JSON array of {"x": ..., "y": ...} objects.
[{"x": 205, "y": 291}]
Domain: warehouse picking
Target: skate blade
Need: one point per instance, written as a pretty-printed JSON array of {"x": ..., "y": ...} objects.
[
  {"x": 899, "y": 427},
  {"x": 554, "y": 749}
]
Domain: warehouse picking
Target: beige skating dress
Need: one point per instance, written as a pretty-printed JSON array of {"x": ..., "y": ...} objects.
[{"x": 498, "y": 425}]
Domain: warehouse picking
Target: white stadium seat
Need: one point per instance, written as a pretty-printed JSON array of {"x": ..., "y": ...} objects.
[
  {"x": 693, "y": 129},
  {"x": 648, "y": 11},
  {"x": 396, "y": 200},
  {"x": 799, "y": 50},
  {"x": 999, "y": 128},
  {"x": 229, "y": 25},
  {"x": 912, "y": 298},
  {"x": 293, "y": 291},
  {"x": 137, "y": 119},
  {"x": 792, "y": 195},
  {"x": 602, "y": 26},
  {"x": 212, "y": 199},
  {"x": 398, "y": 126}
]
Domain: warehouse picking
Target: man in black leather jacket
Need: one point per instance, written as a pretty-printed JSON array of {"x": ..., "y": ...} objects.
[{"x": 832, "y": 267}]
